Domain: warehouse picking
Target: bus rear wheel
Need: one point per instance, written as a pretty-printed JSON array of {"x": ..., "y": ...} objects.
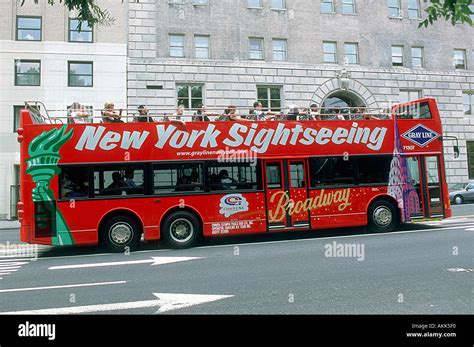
[
  {"x": 181, "y": 229},
  {"x": 120, "y": 233},
  {"x": 383, "y": 216}
]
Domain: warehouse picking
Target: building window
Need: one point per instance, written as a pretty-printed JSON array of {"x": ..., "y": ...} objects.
[
  {"x": 201, "y": 47},
  {"x": 417, "y": 56},
  {"x": 176, "y": 2},
  {"x": 397, "y": 55},
  {"x": 189, "y": 95},
  {"x": 28, "y": 28},
  {"x": 278, "y": 5},
  {"x": 414, "y": 9},
  {"x": 176, "y": 46},
  {"x": 352, "y": 53},
  {"x": 200, "y": 2},
  {"x": 468, "y": 103},
  {"x": 256, "y": 49},
  {"x": 460, "y": 59},
  {"x": 329, "y": 52},
  {"x": 279, "y": 50},
  {"x": 16, "y": 116},
  {"x": 27, "y": 72},
  {"x": 470, "y": 158},
  {"x": 407, "y": 95},
  {"x": 76, "y": 35},
  {"x": 327, "y": 6},
  {"x": 471, "y": 7},
  {"x": 270, "y": 97},
  {"x": 254, "y": 3},
  {"x": 80, "y": 74},
  {"x": 394, "y": 8},
  {"x": 348, "y": 7}
]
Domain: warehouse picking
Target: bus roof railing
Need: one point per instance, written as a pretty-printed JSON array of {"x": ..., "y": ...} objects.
[{"x": 41, "y": 115}]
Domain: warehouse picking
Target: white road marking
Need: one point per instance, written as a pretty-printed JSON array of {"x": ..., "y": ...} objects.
[
  {"x": 61, "y": 286},
  {"x": 265, "y": 242},
  {"x": 9, "y": 264},
  {"x": 155, "y": 261},
  {"x": 14, "y": 263},
  {"x": 166, "y": 302},
  {"x": 9, "y": 268},
  {"x": 470, "y": 229},
  {"x": 460, "y": 270}
]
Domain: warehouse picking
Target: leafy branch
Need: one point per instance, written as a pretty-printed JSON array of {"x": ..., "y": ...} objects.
[{"x": 455, "y": 11}]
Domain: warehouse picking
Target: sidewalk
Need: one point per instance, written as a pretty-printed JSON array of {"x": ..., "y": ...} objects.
[{"x": 9, "y": 224}]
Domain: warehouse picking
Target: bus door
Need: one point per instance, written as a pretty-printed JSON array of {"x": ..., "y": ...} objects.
[
  {"x": 424, "y": 176},
  {"x": 286, "y": 194}
]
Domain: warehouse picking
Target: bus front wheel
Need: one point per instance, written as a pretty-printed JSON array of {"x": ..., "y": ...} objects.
[
  {"x": 120, "y": 233},
  {"x": 181, "y": 229},
  {"x": 383, "y": 217}
]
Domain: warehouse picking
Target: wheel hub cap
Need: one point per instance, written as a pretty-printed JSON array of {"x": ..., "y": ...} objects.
[
  {"x": 121, "y": 233},
  {"x": 382, "y": 216},
  {"x": 181, "y": 230}
]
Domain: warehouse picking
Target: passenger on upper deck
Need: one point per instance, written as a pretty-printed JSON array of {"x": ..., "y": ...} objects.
[
  {"x": 333, "y": 114},
  {"x": 179, "y": 113},
  {"x": 257, "y": 113},
  {"x": 202, "y": 115},
  {"x": 311, "y": 114},
  {"x": 77, "y": 114},
  {"x": 110, "y": 114},
  {"x": 143, "y": 116},
  {"x": 230, "y": 114},
  {"x": 293, "y": 112}
]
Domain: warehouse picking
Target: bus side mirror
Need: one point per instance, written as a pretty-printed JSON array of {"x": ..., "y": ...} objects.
[{"x": 456, "y": 152}]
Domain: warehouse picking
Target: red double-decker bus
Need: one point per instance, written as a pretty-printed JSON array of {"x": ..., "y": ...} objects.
[{"x": 111, "y": 184}]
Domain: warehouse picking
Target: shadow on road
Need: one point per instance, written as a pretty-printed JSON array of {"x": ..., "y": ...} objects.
[{"x": 231, "y": 240}]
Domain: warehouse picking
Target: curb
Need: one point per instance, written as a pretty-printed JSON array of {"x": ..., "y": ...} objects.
[{"x": 9, "y": 225}]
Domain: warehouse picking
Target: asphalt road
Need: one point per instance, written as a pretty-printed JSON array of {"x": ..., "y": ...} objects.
[{"x": 421, "y": 269}]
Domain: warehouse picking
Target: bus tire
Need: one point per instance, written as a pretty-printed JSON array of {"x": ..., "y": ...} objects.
[
  {"x": 383, "y": 216},
  {"x": 121, "y": 233},
  {"x": 181, "y": 229}
]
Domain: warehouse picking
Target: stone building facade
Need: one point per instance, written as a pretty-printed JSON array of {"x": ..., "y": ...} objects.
[
  {"x": 42, "y": 58},
  {"x": 222, "y": 52}
]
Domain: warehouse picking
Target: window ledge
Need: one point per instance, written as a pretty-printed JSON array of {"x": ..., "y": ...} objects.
[
  {"x": 397, "y": 17},
  {"x": 278, "y": 9},
  {"x": 350, "y": 14},
  {"x": 334, "y": 12}
]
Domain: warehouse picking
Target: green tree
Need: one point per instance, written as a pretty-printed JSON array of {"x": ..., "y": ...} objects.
[
  {"x": 87, "y": 11},
  {"x": 455, "y": 11}
]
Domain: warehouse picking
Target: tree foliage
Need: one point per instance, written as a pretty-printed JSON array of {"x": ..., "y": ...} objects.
[
  {"x": 87, "y": 11},
  {"x": 455, "y": 11}
]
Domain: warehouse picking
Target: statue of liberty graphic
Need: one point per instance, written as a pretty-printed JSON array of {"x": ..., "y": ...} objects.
[
  {"x": 400, "y": 184},
  {"x": 42, "y": 166}
]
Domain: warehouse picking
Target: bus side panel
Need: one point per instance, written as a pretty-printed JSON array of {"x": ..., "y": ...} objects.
[
  {"x": 221, "y": 214},
  {"x": 342, "y": 207},
  {"x": 86, "y": 216}
]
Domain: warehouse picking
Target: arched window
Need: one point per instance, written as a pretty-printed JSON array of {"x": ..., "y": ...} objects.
[{"x": 341, "y": 100}]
